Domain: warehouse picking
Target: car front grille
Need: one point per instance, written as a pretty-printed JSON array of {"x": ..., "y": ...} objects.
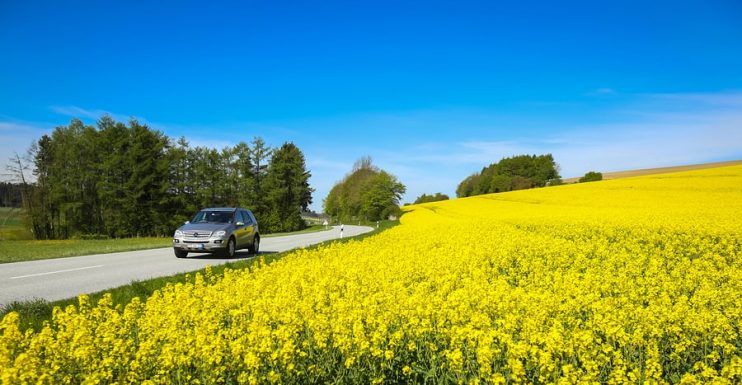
[{"x": 195, "y": 234}]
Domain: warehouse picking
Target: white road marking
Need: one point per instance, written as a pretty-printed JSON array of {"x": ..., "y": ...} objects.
[{"x": 56, "y": 272}]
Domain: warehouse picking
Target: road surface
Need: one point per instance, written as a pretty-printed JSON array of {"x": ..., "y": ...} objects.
[{"x": 60, "y": 278}]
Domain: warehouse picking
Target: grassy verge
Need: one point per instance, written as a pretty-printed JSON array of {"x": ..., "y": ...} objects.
[
  {"x": 11, "y": 224},
  {"x": 35, "y": 312},
  {"x": 29, "y": 250}
]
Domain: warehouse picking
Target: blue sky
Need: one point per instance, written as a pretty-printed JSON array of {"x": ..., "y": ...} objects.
[{"x": 432, "y": 91}]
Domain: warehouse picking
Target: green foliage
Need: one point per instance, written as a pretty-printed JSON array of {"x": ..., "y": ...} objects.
[
  {"x": 431, "y": 198},
  {"x": 124, "y": 180},
  {"x": 514, "y": 173},
  {"x": 287, "y": 182},
  {"x": 10, "y": 194},
  {"x": 367, "y": 193},
  {"x": 591, "y": 176}
]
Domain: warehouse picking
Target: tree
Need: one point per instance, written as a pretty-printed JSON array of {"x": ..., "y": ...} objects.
[
  {"x": 514, "y": 173},
  {"x": 591, "y": 176},
  {"x": 431, "y": 198},
  {"x": 11, "y": 194},
  {"x": 120, "y": 180},
  {"x": 366, "y": 193},
  {"x": 381, "y": 199},
  {"x": 260, "y": 156},
  {"x": 287, "y": 189},
  {"x": 466, "y": 187}
]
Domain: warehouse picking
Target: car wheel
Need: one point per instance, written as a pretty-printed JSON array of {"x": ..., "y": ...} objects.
[
  {"x": 181, "y": 253},
  {"x": 255, "y": 247},
  {"x": 231, "y": 248}
]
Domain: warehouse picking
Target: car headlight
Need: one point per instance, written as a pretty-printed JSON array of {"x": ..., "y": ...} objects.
[
  {"x": 178, "y": 233},
  {"x": 220, "y": 233}
]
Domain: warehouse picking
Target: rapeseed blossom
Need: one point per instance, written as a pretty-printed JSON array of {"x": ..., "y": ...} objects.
[{"x": 636, "y": 280}]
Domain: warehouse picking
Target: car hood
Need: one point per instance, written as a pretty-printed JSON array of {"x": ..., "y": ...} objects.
[{"x": 205, "y": 227}]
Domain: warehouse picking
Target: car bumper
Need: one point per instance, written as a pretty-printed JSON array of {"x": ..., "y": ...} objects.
[{"x": 210, "y": 246}]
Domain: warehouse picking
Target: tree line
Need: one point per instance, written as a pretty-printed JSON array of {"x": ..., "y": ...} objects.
[
  {"x": 123, "y": 180},
  {"x": 11, "y": 194},
  {"x": 425, "y": 198},
  {"x": 514, "y": 173},
  {"x": 367, "y": 193}
]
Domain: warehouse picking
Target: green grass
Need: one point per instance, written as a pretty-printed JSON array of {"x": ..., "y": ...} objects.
[
  {"x": 35, "y": 313},
  {"x": 11, "y": 224},
  {"x": 14, "y": 250},
  {"x": 29, "y": 250}
]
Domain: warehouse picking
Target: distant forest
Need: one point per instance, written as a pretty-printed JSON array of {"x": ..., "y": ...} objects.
[
  {"x": 10, "y": 194},
  {"x": 514, "y": 173},
  {"x": 122, "y": 180}
]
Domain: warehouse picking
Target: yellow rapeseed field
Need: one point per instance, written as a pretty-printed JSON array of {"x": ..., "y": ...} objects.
[{"x": 627, "y": 281}]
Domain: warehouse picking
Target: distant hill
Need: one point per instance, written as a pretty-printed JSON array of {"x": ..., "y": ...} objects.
[{"x": 659, "y": 170}]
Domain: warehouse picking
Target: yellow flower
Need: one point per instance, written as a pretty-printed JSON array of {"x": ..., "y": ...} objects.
[{"x": 613, "y": 282}]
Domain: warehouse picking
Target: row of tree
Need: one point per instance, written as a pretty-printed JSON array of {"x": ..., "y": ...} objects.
[
  {"x": 514, "y": 173},
  {"x": 124, "y": 180},
  {"x": 11, "y": 194},
  {"x": 425, "y": 198},
  {"x": 367, "y": 193}
]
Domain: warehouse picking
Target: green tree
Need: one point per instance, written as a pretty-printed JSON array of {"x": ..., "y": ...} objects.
[
  {"x": 366, "y": 193},
  {"x": 287, "y": 188},
  {"x": 513, "y": 173},
  {"x": 466, "y": 187},
  {"x": 126, "y": 180},
  {"x": 257, "y": 200},
  {"x": 381, "y": 199},
  {"x": 431, "y": 198},
  {"x": 591, "y": 176}
]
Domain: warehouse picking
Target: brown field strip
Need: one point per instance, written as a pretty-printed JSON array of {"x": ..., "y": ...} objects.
[{"x": 659, "y": 170}]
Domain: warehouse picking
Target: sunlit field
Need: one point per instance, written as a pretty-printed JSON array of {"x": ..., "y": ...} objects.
[{"x": 624, "y": 281}]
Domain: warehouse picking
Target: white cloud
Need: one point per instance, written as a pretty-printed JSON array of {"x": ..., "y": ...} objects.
[{"x": 78, "y": 112}]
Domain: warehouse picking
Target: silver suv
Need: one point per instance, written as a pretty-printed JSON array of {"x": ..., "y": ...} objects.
[{"x": 221, "y": 230}]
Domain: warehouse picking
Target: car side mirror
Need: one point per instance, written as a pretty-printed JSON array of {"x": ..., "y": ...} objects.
[
  {"x": 240, "y": 223},
  {"x": 186, "y": 222}
]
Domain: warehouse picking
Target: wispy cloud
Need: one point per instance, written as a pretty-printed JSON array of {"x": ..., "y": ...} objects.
[
  {"x": 78, "y": 112},
  {"x": 602, "y": 91},
  {"x": 645, "y": 131},
  {"x": 93, "y": 114}
]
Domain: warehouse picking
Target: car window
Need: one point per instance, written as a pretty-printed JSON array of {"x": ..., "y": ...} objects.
[
  {"x": 213, "y": 216},
  {"x": 252, "y": 217},
  {"x": 240, "y": 217},
  {"x": 247, "y": 220}
]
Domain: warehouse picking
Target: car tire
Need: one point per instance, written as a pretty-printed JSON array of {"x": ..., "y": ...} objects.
[
  {"x": 230, "y": 249},
  {"x": 181, "y": 253},
  {"x": 255, "y": 247}
]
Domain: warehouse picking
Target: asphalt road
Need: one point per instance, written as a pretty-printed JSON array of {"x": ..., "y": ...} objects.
[{"x": 60, "y": 278}]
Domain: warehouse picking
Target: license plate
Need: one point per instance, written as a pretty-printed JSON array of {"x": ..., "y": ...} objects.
[{"x": 198, "y": 247}]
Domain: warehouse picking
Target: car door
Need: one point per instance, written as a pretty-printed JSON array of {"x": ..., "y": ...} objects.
[
  {"x": 241, "y": 230},
  {"x": 249, "y": 228}
]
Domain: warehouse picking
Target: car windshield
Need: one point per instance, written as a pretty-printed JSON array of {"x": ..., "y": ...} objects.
[{"x": 212, "y": 216}]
